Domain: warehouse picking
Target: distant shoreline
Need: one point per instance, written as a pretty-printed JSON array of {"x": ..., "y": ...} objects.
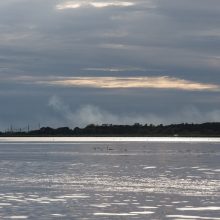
[{"x": 206, "y": 130}]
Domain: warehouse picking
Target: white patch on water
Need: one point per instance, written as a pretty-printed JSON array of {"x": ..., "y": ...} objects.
[
  {"x": 74, "y": 196},
  {"x": 191, "y": 217},
  {"x": 143, "y": 213},
  {"x": 45, "y": 200},
  {"x": 5, "y": 204},
  {"x": 114, "y": 214},
  {"x": 150, "y": 167},
  {"x": 178, "y": 168},
  {"x": 209, "y": 173},
  {"x": 103, "y": 205},
  {"x": 58, "y": 215},
  {"x": 119, "y": 203},
  {"x": 147, "y": 207},
  {"x": 107, "y": 196},
  {"x": 210, "y": 208},
  {"x": 203, "y": 169},
  {"x": 123, "y": 214}
]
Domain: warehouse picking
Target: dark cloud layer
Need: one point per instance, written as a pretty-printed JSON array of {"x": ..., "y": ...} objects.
[{"x": 41, "y": 39}]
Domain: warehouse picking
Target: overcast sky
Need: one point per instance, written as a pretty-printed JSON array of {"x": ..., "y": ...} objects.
[{"x": 72, "y": 63}]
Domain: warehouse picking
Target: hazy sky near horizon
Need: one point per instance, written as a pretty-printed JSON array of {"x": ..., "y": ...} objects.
[{"x": 79, "y": 62}]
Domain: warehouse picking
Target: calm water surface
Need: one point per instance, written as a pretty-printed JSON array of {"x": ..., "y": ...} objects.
[{"x": 104, "y": 179}]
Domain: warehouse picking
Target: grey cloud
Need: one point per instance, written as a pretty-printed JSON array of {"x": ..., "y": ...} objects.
[{"x": 77, "y": 35}]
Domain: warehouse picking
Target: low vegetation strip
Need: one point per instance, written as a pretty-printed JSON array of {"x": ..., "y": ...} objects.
[{"x": 136, "y": 130}]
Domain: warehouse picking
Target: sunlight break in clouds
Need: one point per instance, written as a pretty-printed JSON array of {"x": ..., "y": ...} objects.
[
  {"x": 107, "y": 4},
  {"x": 114, "y": 69},
  {"x": 68, "y": 5},
  {"x": 77, "y": 4},
  {"x": 162, "y": 82}
]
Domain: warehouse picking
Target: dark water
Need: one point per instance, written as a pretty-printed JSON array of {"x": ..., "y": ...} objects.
[{"x": 118, "y": 180}]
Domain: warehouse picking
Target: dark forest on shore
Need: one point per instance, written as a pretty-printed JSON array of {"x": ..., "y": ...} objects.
[{"x": 182, "y": 130}]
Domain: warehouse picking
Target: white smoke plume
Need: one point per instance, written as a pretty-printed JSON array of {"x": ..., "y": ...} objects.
[
  {"x": 63, "y": 109},
  {"x": 90, "y": 114}
]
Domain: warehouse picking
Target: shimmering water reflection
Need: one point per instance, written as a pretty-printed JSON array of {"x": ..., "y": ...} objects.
[{"x": 109, "y": 180}]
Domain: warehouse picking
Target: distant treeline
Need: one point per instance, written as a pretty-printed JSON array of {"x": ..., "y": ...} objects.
[{"x": 184, "y": 129}]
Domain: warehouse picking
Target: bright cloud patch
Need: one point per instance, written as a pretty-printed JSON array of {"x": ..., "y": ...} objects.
[
  {"x": 107, "y": 4},
  {"x": 162, "y": 82},
  {"x": 114, "y": 69},
  {"x": 68, "y": 5},
  {"x": 77, "y": 4}
]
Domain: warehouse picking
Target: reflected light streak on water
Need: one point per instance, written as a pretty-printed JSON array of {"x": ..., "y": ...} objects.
[{"x": 107, "y": 139}]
